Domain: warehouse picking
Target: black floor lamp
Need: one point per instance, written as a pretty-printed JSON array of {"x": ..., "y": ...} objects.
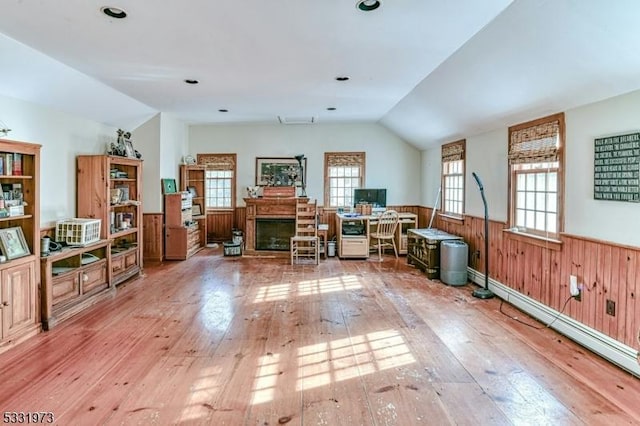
[{"x": 484, "y": 293}]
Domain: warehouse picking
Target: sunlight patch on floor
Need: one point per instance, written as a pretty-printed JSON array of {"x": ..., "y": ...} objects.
[
  {"x": 272, "y": 293},
  {"x": 266, "y": 379},
  {"x": 307, "y": 288},
  {"x": 348, "y": 358},
  {"x": 202, "y": 393}
]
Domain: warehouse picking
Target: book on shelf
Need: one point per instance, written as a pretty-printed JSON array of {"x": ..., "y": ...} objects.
[
  {"x": 17, "y": 164},
  {"x": 8, "y": 164}
]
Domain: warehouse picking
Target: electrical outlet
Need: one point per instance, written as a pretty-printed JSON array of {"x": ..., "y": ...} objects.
[
  {"x": 574, "y": 288},
  {"x": 611, "y": 307}
]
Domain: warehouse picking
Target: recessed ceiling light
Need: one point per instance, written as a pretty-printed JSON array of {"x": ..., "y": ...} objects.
[
  {"x": 114, "y": 12},
  {"x": 368, "y": 5},
  {"x": 342, "y": 78},
  {"x": 191, "y": 81},
  {"x": 223, "y": 110},
  {"x": 331, "y": 109}
]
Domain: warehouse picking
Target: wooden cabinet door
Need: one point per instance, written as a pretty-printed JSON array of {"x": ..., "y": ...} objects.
[{"x": 18, "y": 298}]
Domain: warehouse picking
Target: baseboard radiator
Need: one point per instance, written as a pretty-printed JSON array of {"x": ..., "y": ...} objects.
[{"x": 610, "y": 349}]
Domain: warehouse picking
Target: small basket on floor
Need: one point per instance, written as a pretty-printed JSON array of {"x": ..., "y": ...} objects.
[{"x": 232, "y": 248}]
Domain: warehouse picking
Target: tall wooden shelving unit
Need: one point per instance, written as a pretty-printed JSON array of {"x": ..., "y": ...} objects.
[
  {"x": 195, "y": 176},
  {"x": 97, "y": 175},
  {"x": 20, "y": 277}
]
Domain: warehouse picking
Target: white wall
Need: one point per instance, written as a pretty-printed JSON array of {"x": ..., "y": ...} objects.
[
  {"x": 174, "y": 145},
  {"x": 487, "y": 156},
  {"x": 606, "y": 220},
  {"x": 162, "y": 141},
  {"x": 391, "y": 162},
  {"x": 146, "y": 140},
  {"x": 62, "y": 137}
]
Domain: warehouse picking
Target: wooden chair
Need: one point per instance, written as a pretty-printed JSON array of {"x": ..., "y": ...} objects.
[
  {"x": 305, "y": 244},
  {"x": 384, "y": 235}
]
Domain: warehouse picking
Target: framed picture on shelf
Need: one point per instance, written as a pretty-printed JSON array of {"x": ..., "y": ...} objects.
[
  {"x": 279, "y": 171},
  {"x": 13, "y": 243},
  {"x": 196, "y": 210},
  {"x": 169, "y": 186}
]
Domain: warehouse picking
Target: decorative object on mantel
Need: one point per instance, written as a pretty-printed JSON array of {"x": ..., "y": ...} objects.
[
  {"x": 252, "y": 191},
  {"x": 188, "y": 160},
  {"x": 303, "y": 185},
  {"x": 279, "y": 171},
  {"x": 123, "y": 147}
]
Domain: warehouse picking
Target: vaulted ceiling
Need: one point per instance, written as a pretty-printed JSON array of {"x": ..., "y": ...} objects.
[{"x": 431, "y": 71}]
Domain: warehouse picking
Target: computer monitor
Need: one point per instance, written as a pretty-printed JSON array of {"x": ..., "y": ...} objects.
[{"x": 375, "y": 197}]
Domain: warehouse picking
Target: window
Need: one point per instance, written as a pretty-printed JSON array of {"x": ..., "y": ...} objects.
[
  {"x": 535, "y": 176},
  {"x": 453, "y": 178},
  {"x": 219, "y": 180},
  {"x": 344, "y": 172}
]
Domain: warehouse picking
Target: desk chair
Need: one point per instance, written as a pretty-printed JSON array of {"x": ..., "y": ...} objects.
[
  {"x": 384, "y": 235},
  {"x": 305, "y": 244}
]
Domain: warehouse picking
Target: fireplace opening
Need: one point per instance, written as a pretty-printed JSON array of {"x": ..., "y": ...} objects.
[{"x": 274, "y": 234}]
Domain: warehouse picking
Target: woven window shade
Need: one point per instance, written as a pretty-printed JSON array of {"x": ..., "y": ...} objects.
[
  {"x": 535, "y": 144},
  {"x": 453, "y": 151},
  {"x": 217, "y": 161},
  {"x": 347, "y": 159}
]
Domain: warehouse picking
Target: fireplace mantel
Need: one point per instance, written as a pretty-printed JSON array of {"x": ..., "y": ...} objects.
[{"x": 266, "y": 208}]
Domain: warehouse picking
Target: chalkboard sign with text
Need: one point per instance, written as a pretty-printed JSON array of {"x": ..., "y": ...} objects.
[{"x": 616, "y": 173}]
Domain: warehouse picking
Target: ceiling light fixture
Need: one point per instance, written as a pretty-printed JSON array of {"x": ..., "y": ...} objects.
[
  {"x": 113, "y": 12},
  {"x": 191, "y": 81},
  {"x": 368, "y": 5},
  {"x": 342, "y": 78}
]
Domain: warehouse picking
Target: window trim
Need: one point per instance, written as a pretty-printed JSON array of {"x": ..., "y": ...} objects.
[
  {"x": 330, "y": 158},
  {"x": 511, "y": 203},
  {"x": 453, "y": 151},
  {"x": 215, "y": 161}
]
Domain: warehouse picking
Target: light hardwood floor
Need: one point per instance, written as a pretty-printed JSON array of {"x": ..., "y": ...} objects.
[{"x": 252, "y": 341}]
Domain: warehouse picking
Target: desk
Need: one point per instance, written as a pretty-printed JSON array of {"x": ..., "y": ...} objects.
[{"x": 353, "y": 239}]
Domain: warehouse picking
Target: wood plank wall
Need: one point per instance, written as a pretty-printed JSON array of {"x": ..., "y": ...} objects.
[
  {"x": 607, "y": 271},
  {"x": 152, "y": 237}
]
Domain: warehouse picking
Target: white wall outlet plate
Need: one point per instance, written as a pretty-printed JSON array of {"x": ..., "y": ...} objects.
[{"x": 573, "y": 285}]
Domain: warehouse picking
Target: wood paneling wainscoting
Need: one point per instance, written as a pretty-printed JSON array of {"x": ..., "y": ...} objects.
[
  {"x": 607, "y": 271},
  {"x": 152, "y": 237},
  {"x": 219, "y": 225}
]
